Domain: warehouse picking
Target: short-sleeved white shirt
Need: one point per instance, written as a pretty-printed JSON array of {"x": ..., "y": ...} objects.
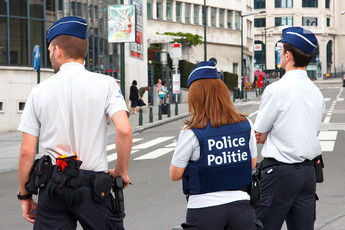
[
  {"x": 291, "y": 111},
  {"x": 188, "y": 148},
  {"x": 68, "y": 112}
]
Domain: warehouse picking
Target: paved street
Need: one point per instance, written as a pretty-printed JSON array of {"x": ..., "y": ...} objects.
[{"x": 153, "y": 202}]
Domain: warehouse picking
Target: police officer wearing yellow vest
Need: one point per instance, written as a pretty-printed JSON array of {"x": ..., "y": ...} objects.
[
  {"x": 68, "y": 114},
  {"x": 287, "y": 124}
]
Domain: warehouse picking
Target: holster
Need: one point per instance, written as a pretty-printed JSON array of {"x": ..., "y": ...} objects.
[
  {"x": 40, "y": 174},
  {"x": 318, "y": 164},
  {"x": 255, "y": 192},
  {"x": 102, "y": 184},
  {"x": 119, "y": 202},
  {"x": 66, "y": 185}
]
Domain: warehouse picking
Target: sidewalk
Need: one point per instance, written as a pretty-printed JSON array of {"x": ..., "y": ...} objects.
[{"x": 10, "y": 142}]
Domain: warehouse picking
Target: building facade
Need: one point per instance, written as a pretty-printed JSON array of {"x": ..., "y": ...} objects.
[
  {"x": 223, "y": 30},
  {"x": 23, "y": 24},
  {"x": 322, "y": 17}
]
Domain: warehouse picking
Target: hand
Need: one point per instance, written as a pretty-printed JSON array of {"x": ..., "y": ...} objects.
[
  {"x": 125, "y": 178},
  {"x": 28, "y": 206},
  {"x": 260, "y": 137}
]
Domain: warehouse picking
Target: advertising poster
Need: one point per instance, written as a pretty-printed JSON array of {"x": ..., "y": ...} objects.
[
  {"x": 121, "y": 23},
  {"x": 137, "y": 48}
]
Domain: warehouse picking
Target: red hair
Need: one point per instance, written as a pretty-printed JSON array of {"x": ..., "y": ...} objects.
[{"x": 209, "y": 101}]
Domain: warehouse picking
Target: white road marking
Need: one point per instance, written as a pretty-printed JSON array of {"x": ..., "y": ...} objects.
[
  {"x": 152, "y": 142},
  {"x": 327, "y": 135},
  {"x": 113, "y": 146},
  {"x": 327, "y": 99},
  {"x": 155, "y": 154},
  {"x": 171, "y": 145},
  {"x": 327, "y": 146},
  {"x": 113, "y": 157}
]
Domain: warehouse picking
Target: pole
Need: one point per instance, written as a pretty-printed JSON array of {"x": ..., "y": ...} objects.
[
  {"x": 265, "y": 53},
  {"x": 38, "y": 81},
  {"x": 241, "y": 56},
  {"x": 122, "y": 65},
  {"x": 205, "y": 46}
]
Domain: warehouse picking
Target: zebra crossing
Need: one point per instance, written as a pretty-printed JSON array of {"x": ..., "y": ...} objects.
[{"x": 170, "y": 147}]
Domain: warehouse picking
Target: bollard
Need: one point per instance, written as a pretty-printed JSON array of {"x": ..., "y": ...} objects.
[
  {"x": 160, "y": 112},
  {"x": 245, "y": 95},
  {"x": 140, "y": 117},
  {"x": 169, "y": 115},
  {"x": 176, "y": 109},
  {"x": 233, "y": 97},
  {"x": 151, "y": 115},
  {"x": 256, "y": 92}
]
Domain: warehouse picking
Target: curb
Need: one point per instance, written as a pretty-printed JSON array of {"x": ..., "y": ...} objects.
[{"x": 159, "y": 122}]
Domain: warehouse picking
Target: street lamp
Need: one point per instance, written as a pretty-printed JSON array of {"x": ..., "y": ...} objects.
[
  {"x": 205, "y": 22},
  {"x": 243, "y": 16}
]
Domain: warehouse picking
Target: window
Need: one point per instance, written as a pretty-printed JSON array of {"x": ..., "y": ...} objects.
[
  {"x": 18, "y": 8},
  {"x": 21, "y": 106},
  {"x": 169, "y": 10},
  {"x": 259, "y": 4},
  {"x": 237, "y": 20},
  {"x": 3, "y": 7},
  {"x": 235, "y": 68},
  {"x": 159, "y": 9},
  {"x": 36, "y": 9},
  {"x": 3, "y": 39},
  {"x": 283, "y": 21},
  {"x": 229, "y": 17},
  {"x": 327, "y": 4},
  {"x": 19, "y": 42},
  {"x": 196, "y": 14},
  {"x": 309, "y": 21},
  {"x": 260, "y": 22},
  {"x": 187, "y": 13},
  {"x": 221, "y": 18},
  {"x": 178, "y": 11},
  {"x": 1, "y": 106},
  {"x": 149, "y": 9},
  {"x": 283, "y": 3},
  {"x": 328, "y": 22},
  {"x": 309, "y": 3},
  {"x": 213, "y": 16}
]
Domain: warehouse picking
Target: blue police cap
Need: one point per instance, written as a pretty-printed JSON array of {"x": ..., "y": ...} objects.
[
  {"x": 73, "y": 26},
  {"x": 204, "y": 70},
  {"x": 302, "y": 39}
]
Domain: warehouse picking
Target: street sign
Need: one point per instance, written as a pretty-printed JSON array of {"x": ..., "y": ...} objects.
[
  {"x": 176, "y": 51},
  {"x": 36, "y": 57},
  {"x": 176, "y": 83}
]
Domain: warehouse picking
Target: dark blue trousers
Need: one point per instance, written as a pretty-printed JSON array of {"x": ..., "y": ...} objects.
[
  {"x": 236, "y": 215},
  {"x": 287, "y": 193},
  {"x": 53, "y": 213}
]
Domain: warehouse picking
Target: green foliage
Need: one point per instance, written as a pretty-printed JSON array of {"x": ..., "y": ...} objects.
[
  {"x": 185, "y": 69},
  {"x": 186, "y": 38},
  {"x": 230, "y": 80}
]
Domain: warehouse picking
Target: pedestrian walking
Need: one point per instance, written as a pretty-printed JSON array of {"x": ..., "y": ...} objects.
[
  {"x": 134, "y": 97},
  {"x": 214, "y": 156},
  {"x": 142, "y": 91},
  {"x": 287, "y": 124},
  {"x": 67, "y": 113}
]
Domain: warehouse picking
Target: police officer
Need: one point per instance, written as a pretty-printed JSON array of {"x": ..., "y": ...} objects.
[
  {"x": 287, "y": 124},
  {"x": 214, "y": 156},
  {"x": 68, "y": 114}
]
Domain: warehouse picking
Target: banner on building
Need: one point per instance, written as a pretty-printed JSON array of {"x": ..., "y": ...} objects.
[
  {"x": 121, "y": 23},
  {"x": 137, "y": 48}
]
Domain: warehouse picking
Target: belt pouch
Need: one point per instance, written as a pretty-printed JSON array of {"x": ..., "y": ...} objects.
[
  {"x": 318, "y": 163},
  {"x": 255, "y": 193},
  {"x": 101, "y": 186}
]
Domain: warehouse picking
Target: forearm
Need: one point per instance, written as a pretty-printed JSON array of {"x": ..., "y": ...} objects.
[
  {"x": 26, "y": 159},
  {"x": 123, "y": 142}
]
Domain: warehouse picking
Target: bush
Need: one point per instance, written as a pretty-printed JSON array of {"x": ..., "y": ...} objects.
[
  {"x": 231, "y": 80},
  {"x": 185, "y": 69}
]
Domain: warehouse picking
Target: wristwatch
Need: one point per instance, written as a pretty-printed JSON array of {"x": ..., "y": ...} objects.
[{"x": 23, "y": 197}]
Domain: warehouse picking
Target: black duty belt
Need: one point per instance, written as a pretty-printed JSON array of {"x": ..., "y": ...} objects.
[{"x": 268, "y": 162}]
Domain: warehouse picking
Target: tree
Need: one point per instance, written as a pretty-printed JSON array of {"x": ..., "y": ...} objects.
[{"x": 186, "y": 38}]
